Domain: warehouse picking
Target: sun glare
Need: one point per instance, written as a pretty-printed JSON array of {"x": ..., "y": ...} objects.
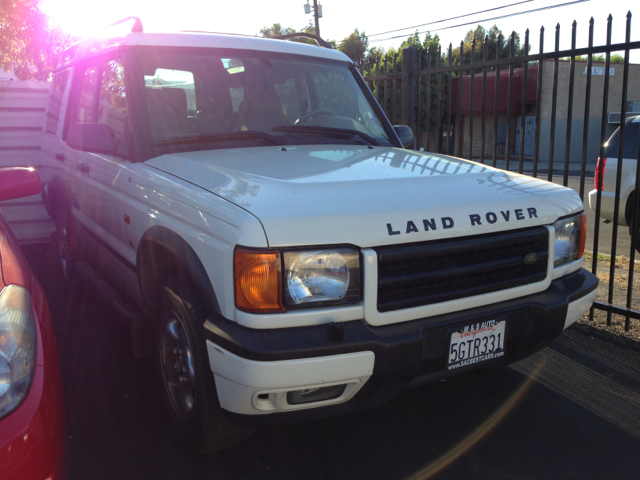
[{"x": 80, "y": 18}]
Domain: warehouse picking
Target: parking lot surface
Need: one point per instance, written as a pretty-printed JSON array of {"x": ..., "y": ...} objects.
[{"x": 570, "y": 411}]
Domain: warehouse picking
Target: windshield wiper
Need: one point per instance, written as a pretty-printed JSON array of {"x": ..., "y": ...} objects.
[
  {"x": 216, "y": 137},
  {"x": 327, "y": 131}
]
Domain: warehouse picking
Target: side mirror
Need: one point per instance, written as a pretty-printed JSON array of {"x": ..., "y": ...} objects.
[
  {"x": 18, "y": 182},
  {"x": 92, "y": 137},
  {"x": 405, "y": 134}
]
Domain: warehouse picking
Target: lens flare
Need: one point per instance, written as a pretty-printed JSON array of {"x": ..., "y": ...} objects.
[{"x": 479, "y": 433}]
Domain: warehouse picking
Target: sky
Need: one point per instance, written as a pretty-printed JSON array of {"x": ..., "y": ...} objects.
[{"x": 341, "y": 17}]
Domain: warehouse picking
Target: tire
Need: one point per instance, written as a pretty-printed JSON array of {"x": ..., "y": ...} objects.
[
  {"x": 62, "y": 252},
  {"x": 635, "y": 225},
  {"x": 188, "y": 388}
]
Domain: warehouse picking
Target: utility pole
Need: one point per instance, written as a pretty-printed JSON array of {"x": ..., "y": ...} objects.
[{"x": 315, "y": 14}]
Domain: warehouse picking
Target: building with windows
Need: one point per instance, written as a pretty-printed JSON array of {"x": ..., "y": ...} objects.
[{"x": 508, "y": 133}]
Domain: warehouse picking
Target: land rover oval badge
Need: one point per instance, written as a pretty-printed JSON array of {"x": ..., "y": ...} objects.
[{"x": 530, "y": 258}]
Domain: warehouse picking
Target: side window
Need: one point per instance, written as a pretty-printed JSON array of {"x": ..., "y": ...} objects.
[
  {"x": 55, "y": 101},
  {"x": 86, "y": 109},
  {"x": 630, "y": 149},
  {"x": 101, "y": 99},
  {"x": 112, "y": 107}
]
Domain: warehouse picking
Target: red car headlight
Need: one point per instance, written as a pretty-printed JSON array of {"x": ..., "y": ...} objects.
[{"x": 17, "y": 347}]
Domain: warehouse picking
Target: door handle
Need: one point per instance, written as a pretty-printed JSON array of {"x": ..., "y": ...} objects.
[
  {"x": 83, "y": 168},
  {"x": 60, "y": 156}
]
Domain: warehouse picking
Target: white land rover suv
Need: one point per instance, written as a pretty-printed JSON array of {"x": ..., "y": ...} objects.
[{"x": 291, "y": 259}]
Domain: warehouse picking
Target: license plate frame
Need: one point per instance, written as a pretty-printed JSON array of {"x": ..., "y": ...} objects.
[{"x": 468, "y": 347}]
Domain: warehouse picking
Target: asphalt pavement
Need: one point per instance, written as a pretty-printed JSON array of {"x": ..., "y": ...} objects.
[{"x": 570, "y": 411}]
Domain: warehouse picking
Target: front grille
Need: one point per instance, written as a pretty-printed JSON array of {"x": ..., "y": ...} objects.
[{"x": 434, "y": 272}]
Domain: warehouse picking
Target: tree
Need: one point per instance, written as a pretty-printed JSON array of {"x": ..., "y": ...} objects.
[
  {"x": 615, "y": 58},
  {"x": 384, "y": 90},
  {"x": 355, "y": 46},
  {"x": 29, "y": 44},
  {"x": 277, "y": 30},
  {"x": 376, "y": 52},
  {"x": 492, "y": 36}
]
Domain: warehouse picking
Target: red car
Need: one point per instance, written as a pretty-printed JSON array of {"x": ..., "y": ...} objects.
[{"x": 31, "y": 404}]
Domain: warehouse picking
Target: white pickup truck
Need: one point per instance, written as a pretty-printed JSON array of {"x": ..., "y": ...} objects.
[{"x": 292, "y": 259}]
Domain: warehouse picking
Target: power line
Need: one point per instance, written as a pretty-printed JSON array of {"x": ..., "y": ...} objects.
[
  {"x": 452, "y": 18},
  {"x": 550, "y": 7}
]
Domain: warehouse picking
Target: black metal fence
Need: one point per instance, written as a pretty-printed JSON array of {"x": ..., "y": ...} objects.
[{"x": 416, "y": 89}]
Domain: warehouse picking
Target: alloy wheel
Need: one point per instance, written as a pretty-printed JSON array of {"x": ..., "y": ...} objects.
[{"x": 177, "y": 365}]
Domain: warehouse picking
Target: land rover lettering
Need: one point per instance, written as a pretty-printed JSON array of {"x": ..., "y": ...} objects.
[{"x": 475, "y": 219}]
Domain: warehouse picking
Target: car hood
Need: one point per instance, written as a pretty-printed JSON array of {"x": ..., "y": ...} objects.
[{"x": 369, "y": 196}]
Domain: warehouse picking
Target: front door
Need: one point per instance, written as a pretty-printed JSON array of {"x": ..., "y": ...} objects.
[{"x": 96, "y": 179}]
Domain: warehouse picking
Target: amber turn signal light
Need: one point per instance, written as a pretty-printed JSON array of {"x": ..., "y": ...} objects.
[
  {"x": 583, "y": 234},
  {"x": 258, "y": 281}
]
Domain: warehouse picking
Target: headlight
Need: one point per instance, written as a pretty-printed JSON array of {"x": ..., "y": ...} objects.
[
  {"x": 321, "y": 277},
  {"x": 267, "y": 281},
  {"x": 570, "y": 236},
  {"x": 17, "y": 347}
]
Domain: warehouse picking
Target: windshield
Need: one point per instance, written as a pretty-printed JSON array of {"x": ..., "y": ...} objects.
[{"x": 195, "y": 101}]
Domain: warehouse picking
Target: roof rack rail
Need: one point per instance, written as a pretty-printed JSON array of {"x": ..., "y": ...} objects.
[
  {"x": 217, "y": 33},
  {"x": 137, "y": 25},
  {"x": 318, "y": 40}
]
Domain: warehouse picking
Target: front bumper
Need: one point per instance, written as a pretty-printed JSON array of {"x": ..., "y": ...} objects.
[
  {"x": 255, "y": 368},
  {"x": 32, "y": 436}
]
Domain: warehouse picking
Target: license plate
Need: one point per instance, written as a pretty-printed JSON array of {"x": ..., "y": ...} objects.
[{"x": 475, "y": 343}]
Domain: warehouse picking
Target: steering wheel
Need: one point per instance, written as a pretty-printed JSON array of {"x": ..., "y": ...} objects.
[{"x": 321, "y": 111}]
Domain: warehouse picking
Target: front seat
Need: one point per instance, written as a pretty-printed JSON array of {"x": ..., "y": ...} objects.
[
  {"x": 168, "y": 113},
  {"x": 261, "y": 109}
]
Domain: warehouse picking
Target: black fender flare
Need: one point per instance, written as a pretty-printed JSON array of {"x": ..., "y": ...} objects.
[
  {"x": 58, "y": 200},
  {"x": 162, "y": 252}
]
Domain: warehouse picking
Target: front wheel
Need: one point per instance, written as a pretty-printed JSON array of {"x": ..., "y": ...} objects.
[
  {"x": 62, "y": 252},
  {"x": 189, "y": 392},
  {"x": 634, "y": 225}
]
